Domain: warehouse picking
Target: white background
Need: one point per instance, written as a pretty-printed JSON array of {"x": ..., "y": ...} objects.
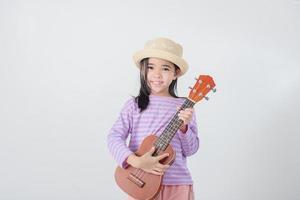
[{"x": 66, "y": 70}]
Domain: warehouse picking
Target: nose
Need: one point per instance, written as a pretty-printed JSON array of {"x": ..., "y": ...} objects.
[{"x": 157, "y": 73}]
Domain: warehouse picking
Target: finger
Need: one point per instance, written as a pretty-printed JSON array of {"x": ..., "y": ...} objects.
[
  {"x": 161, "y": 166},
  {"x": 156, "y": 172},
  {"x": 185, "y": 117},
  {"x": 158, "y": 169},
  {"x": 187, "y": 114},
  {"x": 191, "y": 110},
  {"x": 187, "y": 111},
  {"x": 161, "y": 171},
  {"x": 151, "y": 151},
  {"x": 162, "y": 156},
  {"x": 185, "y": 120}
]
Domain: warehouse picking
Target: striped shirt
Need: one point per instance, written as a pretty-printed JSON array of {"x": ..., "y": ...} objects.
[{"x": 137, "y": 125}]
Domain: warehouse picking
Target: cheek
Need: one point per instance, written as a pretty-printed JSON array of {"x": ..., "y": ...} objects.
[
  {"x": 170, "y": 77},
  {"x": 148, "y": 75}
]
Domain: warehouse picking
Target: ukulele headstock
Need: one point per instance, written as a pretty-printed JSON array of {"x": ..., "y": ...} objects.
[{"x": 203, "y": 86}]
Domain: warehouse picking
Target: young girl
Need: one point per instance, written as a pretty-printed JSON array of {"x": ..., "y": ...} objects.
[{"x": 160, "y": 64}]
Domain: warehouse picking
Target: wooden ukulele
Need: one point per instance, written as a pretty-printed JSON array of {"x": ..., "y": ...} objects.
[{"x": 142, "y": 185}]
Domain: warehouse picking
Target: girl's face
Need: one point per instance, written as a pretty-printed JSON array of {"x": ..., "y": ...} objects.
[{"x": 160, "y": 75}]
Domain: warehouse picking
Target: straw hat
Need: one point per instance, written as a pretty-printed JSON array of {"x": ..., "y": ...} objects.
[{"x": 162, "y": 48}]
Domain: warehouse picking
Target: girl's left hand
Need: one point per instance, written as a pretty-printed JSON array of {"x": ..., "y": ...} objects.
[{"x": 186, "y": 115}]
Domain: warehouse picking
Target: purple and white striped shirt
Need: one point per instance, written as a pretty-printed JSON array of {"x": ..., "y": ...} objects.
[{"x": 154, "y": 120}]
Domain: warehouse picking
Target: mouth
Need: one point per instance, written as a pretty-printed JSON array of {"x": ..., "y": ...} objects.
[{"x": 156, "y": 83}]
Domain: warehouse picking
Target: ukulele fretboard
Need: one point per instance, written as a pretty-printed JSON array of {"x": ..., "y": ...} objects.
[{"x": 165, "y": 138}]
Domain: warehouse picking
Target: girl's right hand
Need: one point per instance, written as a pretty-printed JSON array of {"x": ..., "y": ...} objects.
[{"x": 149, "y": 163}]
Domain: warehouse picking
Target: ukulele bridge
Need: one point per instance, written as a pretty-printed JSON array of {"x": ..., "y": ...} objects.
[{"x": 136, "y": 180}]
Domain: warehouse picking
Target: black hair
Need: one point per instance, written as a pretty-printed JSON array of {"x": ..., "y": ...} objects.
[{"x": 143, "y": 98}]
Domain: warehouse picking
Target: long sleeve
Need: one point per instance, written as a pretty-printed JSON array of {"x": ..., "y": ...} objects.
[
  {"x": 189, "y": 139},
  {"x": 118, "y": 134}
]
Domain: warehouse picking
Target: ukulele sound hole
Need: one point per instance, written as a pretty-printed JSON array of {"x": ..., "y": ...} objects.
[{"x": 136, "y": 180}]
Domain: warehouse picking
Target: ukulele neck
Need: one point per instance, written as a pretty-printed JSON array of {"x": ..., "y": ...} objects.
[{"x": 165, "y": 138}]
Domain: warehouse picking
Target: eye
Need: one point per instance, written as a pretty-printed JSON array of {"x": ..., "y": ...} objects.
[
  {"x": 166, "y": 69},
  {"x": 150, "y": 67}
]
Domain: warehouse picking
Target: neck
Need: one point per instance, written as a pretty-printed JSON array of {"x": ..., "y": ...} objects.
[{"x": 161, "y": 95}]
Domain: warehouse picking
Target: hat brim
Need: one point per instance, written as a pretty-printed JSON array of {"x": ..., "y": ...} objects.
[{"x": 155, "y": 53}]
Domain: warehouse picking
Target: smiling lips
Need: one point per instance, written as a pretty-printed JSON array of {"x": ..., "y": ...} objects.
[{"x": 157, "y": 83}]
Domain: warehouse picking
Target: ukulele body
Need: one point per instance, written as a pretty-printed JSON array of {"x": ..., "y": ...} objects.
[{"x": 138, "y": 183}]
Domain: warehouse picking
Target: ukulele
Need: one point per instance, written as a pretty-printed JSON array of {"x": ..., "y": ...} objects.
[{"x": 142, "y": 185}]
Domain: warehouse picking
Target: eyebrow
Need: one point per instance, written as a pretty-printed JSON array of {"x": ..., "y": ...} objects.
[{"x": 162, "y": 65}]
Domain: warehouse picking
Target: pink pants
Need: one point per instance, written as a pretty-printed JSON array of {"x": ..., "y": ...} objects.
[{"x": 174, "y": 192}]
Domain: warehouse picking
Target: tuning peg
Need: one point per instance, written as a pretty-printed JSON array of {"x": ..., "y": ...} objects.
[
  {"x": 196, "y": 78},
  {"x": 190, "y": 88},
  {"x": 206, "y": 98},
  {"x": 214, "y": 90}
]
